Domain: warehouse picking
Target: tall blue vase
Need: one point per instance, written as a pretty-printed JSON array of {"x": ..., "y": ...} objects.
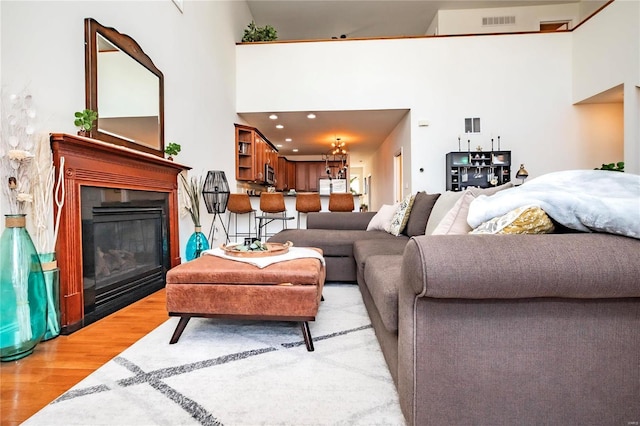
[
  {"x": 22, "y": 291},
  {"x": 51, "y": 274},
  {"x": 196, "y": 244}
]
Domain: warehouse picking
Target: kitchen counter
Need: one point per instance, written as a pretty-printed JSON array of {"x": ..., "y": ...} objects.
[
  {"x": 290, "y": 204},
  {"x": 293, "y": 194}
]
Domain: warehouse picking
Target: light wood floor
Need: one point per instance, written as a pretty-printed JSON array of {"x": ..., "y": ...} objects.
[{"x": 32, "y": 382}]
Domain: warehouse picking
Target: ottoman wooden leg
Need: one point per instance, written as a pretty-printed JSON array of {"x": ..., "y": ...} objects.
[
  {"x": 307, "y": 335},
  {"x": 179, "y": 329}
]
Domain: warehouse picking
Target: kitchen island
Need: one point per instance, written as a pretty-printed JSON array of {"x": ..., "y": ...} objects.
[{"x": 290, "y": 204}]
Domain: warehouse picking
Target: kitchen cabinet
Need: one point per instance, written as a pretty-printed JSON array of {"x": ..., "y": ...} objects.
[
  {"x": 285, "y": 174},
  {"x": 253, "y": 151},
  {"x": 308, "y": 174},
  {"x": 302, "y": 176},
  {"x": 291, "y": 174}
]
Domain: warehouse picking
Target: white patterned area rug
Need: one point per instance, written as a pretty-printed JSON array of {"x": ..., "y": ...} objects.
[{"x": 224, "y": 372}]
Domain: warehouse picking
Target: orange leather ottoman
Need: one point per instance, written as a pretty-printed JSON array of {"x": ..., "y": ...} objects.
[{"x": 211, "y": 286}]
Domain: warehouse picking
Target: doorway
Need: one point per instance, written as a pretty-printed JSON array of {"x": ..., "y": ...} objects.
[{"x": 397, "y": 176}]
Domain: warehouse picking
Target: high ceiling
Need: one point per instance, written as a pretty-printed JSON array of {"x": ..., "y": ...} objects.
[
  {"x": 324, "y": 19},
  {"x": 363, "y": 131}
]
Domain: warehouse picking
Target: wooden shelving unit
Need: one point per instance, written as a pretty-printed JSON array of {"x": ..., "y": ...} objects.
[
  {"x": 253, "y": 151},
  {"x": 481, "y": 169}
]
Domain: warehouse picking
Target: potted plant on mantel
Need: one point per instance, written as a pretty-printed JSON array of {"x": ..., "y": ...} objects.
[
  {"x": 172, "y": 149},
  {"x": 84, "y": 120}
]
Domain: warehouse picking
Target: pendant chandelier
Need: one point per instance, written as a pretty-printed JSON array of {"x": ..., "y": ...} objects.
[
  {"x": 338, "y": 147},
  {"x": 337, "y": 153}
]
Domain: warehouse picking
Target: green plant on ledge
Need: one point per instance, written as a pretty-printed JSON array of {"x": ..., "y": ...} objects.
[
  {"x": 614, "y": 167},
  {"x": 172, "y": 149},
  {"x": 255, "y": 33},
  {"x": 84, "y": 119}
]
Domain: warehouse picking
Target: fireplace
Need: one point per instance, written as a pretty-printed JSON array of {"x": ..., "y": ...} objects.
[
  {"x": 112, "y": 190},
  {"x": 124, "y": 240}
]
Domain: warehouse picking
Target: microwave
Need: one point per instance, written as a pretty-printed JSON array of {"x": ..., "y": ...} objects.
[{"x": 269, "y": 175}]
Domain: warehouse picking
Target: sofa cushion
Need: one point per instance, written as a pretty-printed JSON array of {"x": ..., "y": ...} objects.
[
  {"x": 455, "y": 221},
  {"x": 382, "y": 220},
  {"x": 443, "y": 204},
  {"x": 339, "y": 220},
  {"x": 382, "y": 277},
  {"x": 422, "y": 205},
  {"x": 401, "y": 216},
  {"x": 364, "y": 249},
  {"x": 332, "y": 243}
]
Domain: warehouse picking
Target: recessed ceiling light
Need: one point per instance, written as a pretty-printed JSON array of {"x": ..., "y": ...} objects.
[
  {"x": 273, "y": 117},
  {"x": 295, "y": 150},
  {"x": 288, "y": 140},
  {"x": 311, "y": 115},
  {"x": 279, "y": 145},
  {"x": 279, "y": 126}
]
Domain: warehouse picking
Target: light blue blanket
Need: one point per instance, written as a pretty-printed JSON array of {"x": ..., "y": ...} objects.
[{"x": 585, "y": 200}]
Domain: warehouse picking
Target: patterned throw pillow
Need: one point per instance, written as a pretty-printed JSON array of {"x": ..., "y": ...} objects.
[
  {"x": 382, "y": 219},
  {"x": 523, "y": 220},
  {"x": 401, "y": 216}
]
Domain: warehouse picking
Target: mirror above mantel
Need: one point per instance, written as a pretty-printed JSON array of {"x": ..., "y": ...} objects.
[{"x": 126, "y": 89}]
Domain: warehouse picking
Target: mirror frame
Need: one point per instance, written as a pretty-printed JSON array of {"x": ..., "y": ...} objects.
[{"x": 133, "y": 49}]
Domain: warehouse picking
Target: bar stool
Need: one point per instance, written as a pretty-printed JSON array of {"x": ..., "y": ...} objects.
[
  {"x": 307, "y": 202},
  {"x": 341, "y": 202},
  {"x": 273, "y": 208},
  {"x": 240, "y": 204}
]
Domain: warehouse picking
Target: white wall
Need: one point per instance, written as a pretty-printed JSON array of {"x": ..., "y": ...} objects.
[
  {"x": 606, "y": 54},
  {"x": 381, "y": 164},
  {"x": 43, "y": 50},
  {"x": 608, "y": 47},
  {"x": 602, "y": 132},
  {"x": 589, "y": 7},
  {"x": 528, "y": 18}
]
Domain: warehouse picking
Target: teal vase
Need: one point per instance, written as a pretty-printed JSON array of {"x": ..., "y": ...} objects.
[
  {"x": 51, "y": 274},
  {"x": 196, "y": 244},
  {"x": 22, "y": 291}
]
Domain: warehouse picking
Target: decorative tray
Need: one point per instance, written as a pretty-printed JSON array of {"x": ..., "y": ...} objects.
[{"x": 272, "y": 249}]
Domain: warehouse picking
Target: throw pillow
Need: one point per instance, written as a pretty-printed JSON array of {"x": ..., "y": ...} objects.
[
  {"x": 491, "y": 190},
  {"x": 440, "y": 209},
  {"x": 523, "y": 220},
  {"x": 455, "y": 220},
  {"x": 420, "y": 211},
  {"x": 401, "y": 215},
  {"x": 382, "y": 219}
]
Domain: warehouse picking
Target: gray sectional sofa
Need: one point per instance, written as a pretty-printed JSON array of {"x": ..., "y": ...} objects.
[{"x": 496, "y": 329}]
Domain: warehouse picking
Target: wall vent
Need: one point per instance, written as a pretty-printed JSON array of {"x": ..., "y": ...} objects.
[{"x": 498, "y": 20}]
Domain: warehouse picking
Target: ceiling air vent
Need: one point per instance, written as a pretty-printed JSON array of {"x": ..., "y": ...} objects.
[{"x": 498, "y": 20}]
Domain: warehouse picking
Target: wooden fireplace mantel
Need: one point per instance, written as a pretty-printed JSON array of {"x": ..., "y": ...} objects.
[{"x": 89, "y": 162}]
